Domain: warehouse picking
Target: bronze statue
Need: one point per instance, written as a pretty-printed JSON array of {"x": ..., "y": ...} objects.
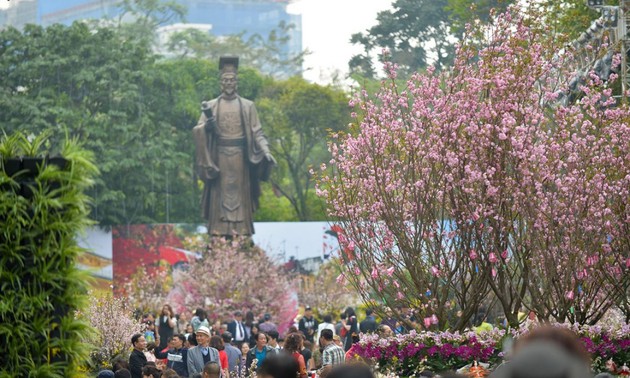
[{"x": 232, "y": 157}]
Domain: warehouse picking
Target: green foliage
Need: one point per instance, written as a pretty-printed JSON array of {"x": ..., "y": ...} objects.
[
  {"x": 40, "y": 283},
  {"x": 147, "y": 16},
  {"x": 418, "y": 33},
  {"x": 274, "y": 207},
  {"x": 135, "y": 114},
  {"x": 297, "y": 117},
  {"x": 462, "y": 12},
  {"x": 263, "y": 52},
  {"x": 570, "y": 17}
]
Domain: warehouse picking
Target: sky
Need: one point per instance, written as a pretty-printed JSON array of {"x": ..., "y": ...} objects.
[{"x": 327, "y": 26}]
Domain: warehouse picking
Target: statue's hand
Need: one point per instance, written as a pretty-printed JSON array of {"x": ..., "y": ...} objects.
[{"x": 270, "y": 158}]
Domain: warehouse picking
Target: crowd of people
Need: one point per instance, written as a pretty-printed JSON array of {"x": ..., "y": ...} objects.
[{"x": 240, "y": 347}]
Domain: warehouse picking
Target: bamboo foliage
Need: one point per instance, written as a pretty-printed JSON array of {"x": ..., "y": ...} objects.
[{"x": 41, "y": 212}]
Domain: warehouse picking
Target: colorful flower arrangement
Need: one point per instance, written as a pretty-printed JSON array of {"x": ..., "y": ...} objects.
[{"x": 409, "y": 354}]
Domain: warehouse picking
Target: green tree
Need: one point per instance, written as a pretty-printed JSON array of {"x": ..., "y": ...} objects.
[
  {"x": 297, "y": 117},
  {"x": 570, "y": 17},
  {"x": 266, "y": 53},
  {"x": 97, "y": 86},
  {"x": 141, "y": 18},
  {"x": 419, "y": 32}
]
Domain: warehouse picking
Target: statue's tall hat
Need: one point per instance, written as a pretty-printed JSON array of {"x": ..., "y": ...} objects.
[{"x": 228, "y": 64}]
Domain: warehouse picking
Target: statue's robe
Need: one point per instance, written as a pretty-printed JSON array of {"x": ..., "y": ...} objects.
[{"x": 230, "y": 159}]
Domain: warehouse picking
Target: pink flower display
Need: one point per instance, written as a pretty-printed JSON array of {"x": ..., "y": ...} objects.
[
  {"x": 113, "y": 320},
  {"x": 444, "y": 170},
  {"x": 227, "y": 276}
]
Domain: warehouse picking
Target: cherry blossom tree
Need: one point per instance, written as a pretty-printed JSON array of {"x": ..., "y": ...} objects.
[
  {"x": 323, "y": 293},
  {"x": 227, "y": 276},
  {"x": 113, "y": 320},
  {"x": 474, "y": 182}
]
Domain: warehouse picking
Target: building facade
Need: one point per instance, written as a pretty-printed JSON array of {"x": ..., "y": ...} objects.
[{"x": 223, "y": 17}]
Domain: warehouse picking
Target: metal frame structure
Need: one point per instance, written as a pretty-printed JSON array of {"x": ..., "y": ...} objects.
[
  {"x": 623, "y": 28},
  {"x": 620, "y": 36}
]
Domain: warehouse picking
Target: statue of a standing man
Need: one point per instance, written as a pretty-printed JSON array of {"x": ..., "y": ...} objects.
[{"x": 232, "y": 157}]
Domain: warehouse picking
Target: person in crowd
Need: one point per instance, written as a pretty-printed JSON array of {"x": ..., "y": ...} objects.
[
  {"x": 351, "y": 326},
  {"x": 148, "y": 352},
  {"x": 253, "y": 336},
  {"x": 326, "y": 324},
  {"x": 293, "y": 346},
  {"x": 564, "y": 338},
  {"x": 278, "y": 366},
  {"x": 181, "y": 323},
  {"x": 308, "y": 324},
  {"x": 267, "y": 325},
  {"x": 259, "y": 352},
  {"x": 150, "y": 371},
  {"x": 165, "y": 326},
  {"x": 200, "y": 319},
  {"x": 250, "y": 321},
  {"x": 170, "y": 373},
  {"x": 272, "y": 338},
  {"x": 118, "y": 364},
  {"x": 351, "y": 371},
  {"x": 106, "y": 373},
  {"x": 216, "y": 328},
  {"x": 333, "y": 354},
  {"x": 350, "y": 353},
  {"x": 307, "y": 353},
  {"x": 176, "y": 356},
  {"x": 191, "y": 341},
  {"x": 149, "y": 331},
  {"x": 217, "y": 343},
  {"x": 137, "y": 359},
  {"x": 543, "y": 358},
  {"x": 160, "y": 360},
  {"x": 481, "y": 322},
  {"x": 242, "y": 367},
  {"x": 189, "y": 330},
  {"x": 238, "y": 329},
  {"x": 340, "y": 329},
  {"x": 211, "y": 370},
  {"x": 316, "y": 357},
  {"x": 368, "y": 325},
  {"x": 122, "y": 373},
  {"x": 233, "y": 354},
  {"x": 389, "y": 319},
  {"x": 384, "y": 331},
  {"x": 293, "y": 329},
  {"x": 198, "y": 356},
  {"x": 338, "y": 342}
]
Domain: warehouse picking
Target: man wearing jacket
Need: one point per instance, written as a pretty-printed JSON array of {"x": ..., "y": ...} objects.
[
  {"x": 259, "y": 352},
  {"x": 308, "y": 324},
  {"x": 368, "y": 325},
  {"x": 200, "y": 355},
  {"x": 238, "y": 330},
  {"x": 137, "y": 359},
  {"x": 176, "y": 356}
]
